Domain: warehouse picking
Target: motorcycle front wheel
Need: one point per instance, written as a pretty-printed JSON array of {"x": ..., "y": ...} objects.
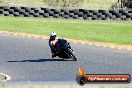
[{"x": 72, "y": 54}]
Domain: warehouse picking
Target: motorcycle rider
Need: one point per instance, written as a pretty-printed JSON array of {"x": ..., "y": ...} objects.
[
  {"x": 59, "y": 45},
  {"x": 52, "y": 41}
]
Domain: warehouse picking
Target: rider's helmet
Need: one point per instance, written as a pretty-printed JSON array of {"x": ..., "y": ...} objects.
[{"x": 52, "y": 36}]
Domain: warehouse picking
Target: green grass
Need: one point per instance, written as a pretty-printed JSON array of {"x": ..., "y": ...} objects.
[{"x": 119, "y": 32}]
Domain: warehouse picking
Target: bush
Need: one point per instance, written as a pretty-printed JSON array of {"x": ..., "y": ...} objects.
[
  {"x": 128, "y": 3},
  {"x": 64, "y": 3},
  {"x": 1, "y": 1},
  {"x": 115, "y": 6}
]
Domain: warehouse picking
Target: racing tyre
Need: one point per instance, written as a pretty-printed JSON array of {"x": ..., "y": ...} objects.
[{"x": 72, "y": 55}]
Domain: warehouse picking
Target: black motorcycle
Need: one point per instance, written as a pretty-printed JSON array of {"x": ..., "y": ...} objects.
[{"x": 64, "y": 50}]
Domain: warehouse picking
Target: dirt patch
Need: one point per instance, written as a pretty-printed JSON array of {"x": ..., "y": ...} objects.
[{"x": 111, "y": 45}]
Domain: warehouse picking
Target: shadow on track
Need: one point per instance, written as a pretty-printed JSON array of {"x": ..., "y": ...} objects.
[{"x": 41, "y": 60}]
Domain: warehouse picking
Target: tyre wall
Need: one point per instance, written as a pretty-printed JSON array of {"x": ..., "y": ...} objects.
[{"x": 66, "y": 13}]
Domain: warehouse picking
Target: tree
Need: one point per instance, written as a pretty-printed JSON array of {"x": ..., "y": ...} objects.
[
  {"x": 122, "y": 4},
  {"x": 127, "y": 3}
]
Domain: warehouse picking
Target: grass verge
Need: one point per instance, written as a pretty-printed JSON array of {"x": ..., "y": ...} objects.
[
  {"x": 119, "y": 32},
  {"x": 63, "y": 85}
]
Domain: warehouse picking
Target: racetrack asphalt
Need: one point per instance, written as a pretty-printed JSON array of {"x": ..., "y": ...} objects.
[{"x": 29, "y": 59}]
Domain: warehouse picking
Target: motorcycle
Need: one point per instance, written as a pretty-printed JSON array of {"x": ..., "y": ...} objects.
[{"x": 64, "y": 50}]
